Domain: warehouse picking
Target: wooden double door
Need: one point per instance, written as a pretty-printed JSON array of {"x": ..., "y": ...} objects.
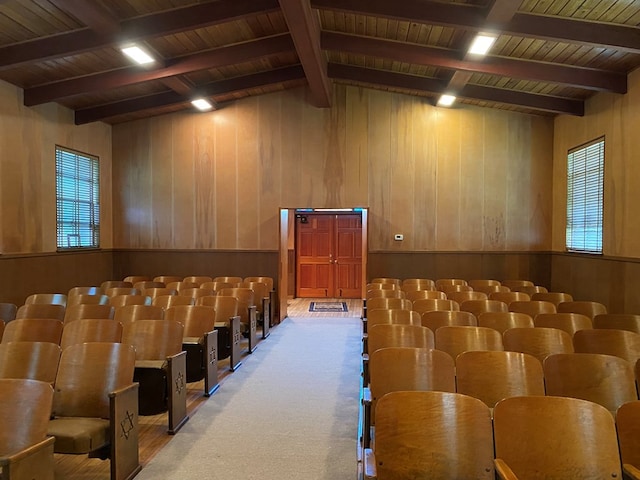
[{"x": 329, "y": 255}]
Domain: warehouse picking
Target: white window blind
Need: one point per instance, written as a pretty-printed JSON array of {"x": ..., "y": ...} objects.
[
  {"x": 77, "y": 199},
  {"x": 585, "y": 184}
]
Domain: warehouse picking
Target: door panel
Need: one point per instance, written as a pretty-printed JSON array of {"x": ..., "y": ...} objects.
[{"x": 329, "y": 255}]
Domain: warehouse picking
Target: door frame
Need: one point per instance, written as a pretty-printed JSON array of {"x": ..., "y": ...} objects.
[{"x": 287, "y": 229}]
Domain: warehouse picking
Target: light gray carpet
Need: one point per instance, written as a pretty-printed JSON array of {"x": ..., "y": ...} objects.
[{"x": 289, "y": 412}]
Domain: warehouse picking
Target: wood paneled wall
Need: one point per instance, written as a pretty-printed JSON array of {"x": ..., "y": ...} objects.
[
  {"x": 28, "y": 137},
  {"x": 467, "y": 179}
]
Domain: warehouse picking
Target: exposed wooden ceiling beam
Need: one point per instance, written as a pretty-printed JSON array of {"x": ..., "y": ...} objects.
[
  {"x": 305, "y": 29},
  {"x": 219, "y": 57},
  {"x": 164, "y": 23},
  {"x": 92, "y": 14},
  {"x": 165, "y": 99},
  {"x": 498, "y": 13},
  {"x": 586, "y": 78},
  {"x": 179, "y": 85},
  {"x": 435, "y": 87},
  {"x": 626, "y": 38}
]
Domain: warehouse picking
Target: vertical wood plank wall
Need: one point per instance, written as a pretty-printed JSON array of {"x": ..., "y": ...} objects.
[
  {"x": 467, "y": 179},
  {"x": 614, "y": 277}
]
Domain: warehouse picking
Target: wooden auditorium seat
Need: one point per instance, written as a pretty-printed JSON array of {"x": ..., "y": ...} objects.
[
  {"x": 396, "y": 369},
  {"x": 132, "y": 313},
  {"x": 457, "y": 339},
  {"x": 122, "y": 300},
  {"x": 588, "y": 308},
  {"x": 569, "y": 322},
  {"x": 530, "y": 289},
  {"x": 107, "y": 284},
  {"x": 262, "y": 300},
  {"x": 395, "y": 281},
  {"x": 166, "y": 279},
  {"x": 553, "y": 297},
  {"x": 502, "y": 321},
  {"x": 30, "y": 360},
  {"x": 603, "y": 379},
  {"x": 465, "y": 296},
  {"x": 46, "y": 299},
  {"x": 491, "y": 376},
  {"x": 87, "y": 310},
  {"x": 92, "y": 290},
  {"x": 228, "y": 327},
  {"x": 160, "y": 368},
  {"x": 618, "y": 321},
  {"x": 167, "y": 301},
  {"x": 133, "y": 279},
  {"x": 446, "y": 318},
  {"x": 91, "y": 330},
  {"x": 198, "y": 279},
  {"x": 431, "y": 435},
  {"x": 514, "y": 283},
  {"x": 430, "y": 304},
  {"x": 37, "y": 310},
  {"x": 414, "y": 295},
  {"x": 33, "y": 330},
  {"x": 379, "y": 316},
  {"x": 26, "y": 453},
  {"x": 95, "y": 406},
  {"x": 200, "y": 341},
  {"x": 247, "y": 311},
  {"x": 88, "y": 299},
  {"x": 554, "y": 437},
  {"x": 8, "y": 311},
  {"x": 114, "y": 291},
  {"x": 532, "y": 307},
  {"x": 508, "y": 297},
  {"x": 229, "y": 279},
  {"x": 628, "y": 427},
  {"x": 478, "y": 307},
  {"x": 621, "y": 343},
  {"x": 538, "y": 341}
]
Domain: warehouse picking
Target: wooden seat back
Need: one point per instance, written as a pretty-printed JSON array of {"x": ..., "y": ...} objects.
[
  {"x": 532, "y": 307},
  {"x": 132, "y": 313},
  {"x": 133, "y": 279},
  {"x": 87, "y": 299},
  {"x": 431, "y": 304},
  {"x": 484, "y": 282},
  {"x": 91, "y": 330},
  {"x": 229, "y": 279},
  {"x": 457, "y": 339},
  {"x": 442, "y": 318},
  {"x": 379, "y": 316},
  {"x": 385, "y": 293},
  {"x": 86, "y": 310},
  {"x": 25, "y": 407},
  {"x": 478, "y": 307},
  {"x": 455, "y": 288},
  {"x": 93, "y": 290},
  {"x": 414, "y": 295},
  {"x": 445, "y": 434},
  {"x": 618, "y": 321},
  {"x": 33, "y": 330},
  {"x": 508, "y": 297},
  {"x": 491, "y": 376},
  {"x": 154, "y": 292},
  {"x": 382, "y": 336},
  {"x": 168, "y": 301},
  {"x": 539, "y": 341},
  {"x": 153, "y": 340},
  {"x": 46, "y": 299},
  {"x": 166, "y": 279},
  {"x": 260, "y": 292},
  {"x": 146, "y": 284},
  {"x": 216, "y": 286},
  {"x": 196, "y": 319},
  {"x": 267, "y": 280},
  {"x": 397, "y": 369},
  {"x": 411, "y": 284},
  {"x": 569, "y": 322},
  {"x": 114, "y": 291},
  {"x": 502, "y": 321},
  {"x": 8, "y": 311},
  {"x": 36, "y": 310},
  {"x": 530, "y": 289},
  {"x": 401, "y": 303},
  {"x": 87, "y": 374},
  {"x": 182, "y": 285},
  {"x": 590, "y": 309},
  {"x": 107, "y": 284},
  {"x": 512, "y": 283},
  {"x": 464, "y": 296},
  {"x": 121, "y": 300},
  {"x": 382, "y": 286},
  {"x": 226, "y": 307},
  {"x": 603, "y": 379},
  {"x": 565, "y": 438},
  {"x": 554, "y": 297},
  {"x": 628, "y": 426},
  {"x": 198, "y": 279},
  {"x": 32, "y": 360},
  {"x": 621, "y": 343},
  {"x": 395, "y": 281},
  {"x": 442, "y": 282}
]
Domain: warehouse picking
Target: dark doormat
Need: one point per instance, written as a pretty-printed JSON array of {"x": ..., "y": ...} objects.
[{"x": 328, "y": 307}]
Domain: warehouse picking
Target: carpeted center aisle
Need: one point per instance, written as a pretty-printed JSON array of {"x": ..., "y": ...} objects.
[{"x": 289, "y": 412}]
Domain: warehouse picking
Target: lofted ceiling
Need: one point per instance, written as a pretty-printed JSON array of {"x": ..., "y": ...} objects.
[{"x": 549, "y": 56}]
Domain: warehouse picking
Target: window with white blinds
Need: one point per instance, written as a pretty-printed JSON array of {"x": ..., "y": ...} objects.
[
  {"x": 77, "y": 199},
  {"x": 585, "y": 185}
]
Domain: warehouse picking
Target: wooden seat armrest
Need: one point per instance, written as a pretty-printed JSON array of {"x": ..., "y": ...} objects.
[
  {"x": 365, "y": 369},
  {"x": 177, "y": 389},
  {"x": 370, "y": 470},
  {"x": 503, "y": 471},
  {"x": 629, "y": 471},
  {"x": 124, "y": 432},
  {"x": 366, "y": 417}
]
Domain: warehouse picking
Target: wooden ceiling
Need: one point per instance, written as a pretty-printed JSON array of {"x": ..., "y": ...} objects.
[{"x": 550, "y": 55}]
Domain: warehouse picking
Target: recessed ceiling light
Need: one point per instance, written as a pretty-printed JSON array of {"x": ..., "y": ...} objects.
[
  {"x": 138, "y": 55},
  {"x": 202, "y": 104},
  {"x": 482, "y": 44},
  {"x": 446, "y": 100}
]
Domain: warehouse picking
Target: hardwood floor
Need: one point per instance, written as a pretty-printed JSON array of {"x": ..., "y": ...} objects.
[{"x": 299, "y": 307}]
